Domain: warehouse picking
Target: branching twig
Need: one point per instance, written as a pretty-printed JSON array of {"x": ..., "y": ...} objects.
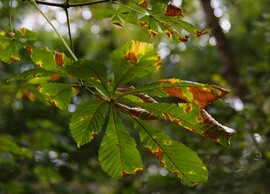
[{"x": 68, "y": 5}]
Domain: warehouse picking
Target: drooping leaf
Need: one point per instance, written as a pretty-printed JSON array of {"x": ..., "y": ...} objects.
[
  {"x": 174, "y": 156},
  {"x": 189, "y": 116},
  {"x": 11, "y": 45},
  {"x": 134, "y": 60},
  {"x": 199, "y": 94},
  {"x": 93, "y": 72},
  {"x": 87, "y": 121},
  {"x": 59, "y": 94},
  {"x": 117, "y": 154},
  {"x": 135, "y": 112}
]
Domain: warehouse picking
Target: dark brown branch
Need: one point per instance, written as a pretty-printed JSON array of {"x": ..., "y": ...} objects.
[
  {"x": 231, "y": 68},
  {"x": 68, "y": 5}
]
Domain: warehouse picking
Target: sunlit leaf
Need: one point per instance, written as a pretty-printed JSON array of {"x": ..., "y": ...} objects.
[
  {"x": 176, "y": 157},
  {"x": 59, "y": 94},
  {"x": 134, "y": 60},
  {"x": 87, "y": 121},
  {"x": 199, "y": 94},
  {"x": 117, "y": 154}
]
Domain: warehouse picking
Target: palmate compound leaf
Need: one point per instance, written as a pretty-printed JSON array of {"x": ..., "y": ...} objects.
[
  {"x": 134, "y": 60},
  {"x": 59, "y": 94},
  {"x": 92, "y": 72},
  {"x": 174, "y": 156},
  {"x": 11, "y": 45},
  {"x": 10, "y": 53},
  {"x": 87, "y": 121},
  {"x": 117, "y": 154}
]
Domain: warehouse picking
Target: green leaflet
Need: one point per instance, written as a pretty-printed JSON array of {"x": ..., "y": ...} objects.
[
  {"x": 199, "y": 94},
  {"x": 93, "y": 72},
  {"x": 87, "y": 121},
  {"x": 191, "y": 117},
  {"x": 127, "y": 15},
  {"x": 11, "y": 45},
  {"x": 134, "y": 60},
  {"x": 24, "y": 33},
  {"x": 59, "y": 94},
  {"x": 176, "y": 157},
  {"x": 117, "y": 154},
  {"x": 35, "y": 73},
  {"x": 47, "y": 59},
  {"x": 10, "y": 53}
]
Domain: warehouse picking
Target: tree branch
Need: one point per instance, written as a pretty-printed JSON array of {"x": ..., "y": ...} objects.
[{"x": 68, "y": 5}]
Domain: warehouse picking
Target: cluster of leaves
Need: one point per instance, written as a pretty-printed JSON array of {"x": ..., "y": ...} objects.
[
  {"x": 114, "y": 98},
  {"x": 154, "y": 18}
]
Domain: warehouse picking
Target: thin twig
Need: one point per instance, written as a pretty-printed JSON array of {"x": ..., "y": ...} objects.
[
  {"x": 10, "y": 16},
  {"x": 68, "y": 5},
  {"x": 56, "y": 31}
]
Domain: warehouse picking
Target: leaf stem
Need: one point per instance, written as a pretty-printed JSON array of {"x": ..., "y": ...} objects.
[
  {"x": 10, "y": 17},
  {"x": 57, "y": 32}
]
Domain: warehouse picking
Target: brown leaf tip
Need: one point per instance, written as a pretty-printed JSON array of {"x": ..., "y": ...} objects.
[
  {"x": 183, "y": 39},
  {"x": 29, "y": 50},
  {"x": 173, "y": 11},
  {"x": 59, "y": 58},
  {"x": 125, "y": 174},
  {"x": 22, "y": 30},
  {"x": 117, "y": 23},
  {"x": 210, "y": 135},
  {"x": 137, "y": 170},
  {"x": 93, "y": 134},
  {"x": 143, "y": 4}
]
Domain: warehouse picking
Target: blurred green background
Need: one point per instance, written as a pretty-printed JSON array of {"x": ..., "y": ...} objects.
[{"x": 38, "y": 155}]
